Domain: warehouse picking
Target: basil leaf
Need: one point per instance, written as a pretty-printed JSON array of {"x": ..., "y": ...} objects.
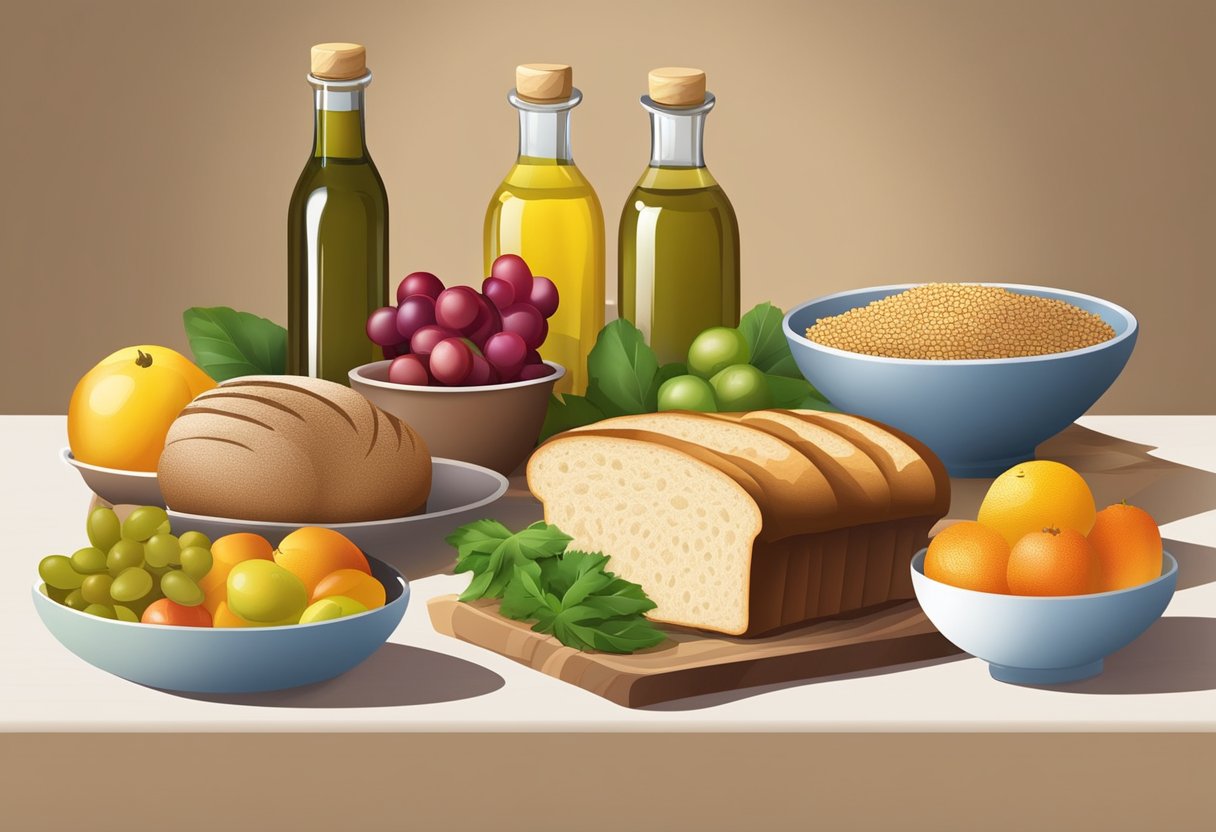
[
  {"x": 227, "y": 343},
  {"x": 568, "y": 412},
  {"x": 770, "y": 351},
  {"x": 623, "y": 371},
  {"x": 813, "y": 402}
]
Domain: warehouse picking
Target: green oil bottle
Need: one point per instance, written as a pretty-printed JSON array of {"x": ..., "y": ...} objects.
[
  {"x": 337, "y": 228},
  {"x": 678, "y": 259}
]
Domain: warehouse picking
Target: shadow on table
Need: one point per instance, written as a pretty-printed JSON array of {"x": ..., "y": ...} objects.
[
  {"x": 1176, "y": 654},
  {"x": 711, "y": 700},
  {"x": 1119, "y": 470},
  {"x": 395, "y": 675}
]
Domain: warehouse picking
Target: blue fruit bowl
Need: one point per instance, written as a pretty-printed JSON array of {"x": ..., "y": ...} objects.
[
  {"x": 206, "y": 660},
  {"x": 979, "y": 416},
  {"x": 1039, "y": 640}
]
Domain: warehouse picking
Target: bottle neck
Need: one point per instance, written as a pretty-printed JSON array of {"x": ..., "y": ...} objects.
[
  {"x": 339, "y": 118},
  {"x": 544, "y": 129},
  {"x": 677, "y": 134}
]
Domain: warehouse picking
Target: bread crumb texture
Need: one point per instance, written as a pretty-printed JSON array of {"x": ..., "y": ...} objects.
[
  {"x": 680, "y": 528},
  {"x": 954, "y": 321}
]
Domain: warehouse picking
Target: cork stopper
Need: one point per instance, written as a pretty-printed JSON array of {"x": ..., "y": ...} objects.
[
  {"x": 544, "y": 82},
  {"x": 339, "y": 61},
  {"x": 677, "y": 86}
]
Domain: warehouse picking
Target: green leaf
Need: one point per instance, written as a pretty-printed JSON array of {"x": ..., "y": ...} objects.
[
  {"x": 669, "y": 371},
  {"x": 814, "y": 402},
  {"x": 477, "y": 587},
  {"x": 623, "y": 371},
  {"x": 770, "y": 351},
  {"x": 568, "y": 412},
  {"x": 788, "y": 392},
  {"x": 624, "y": 635},
  {"x": 227, "y": 343},
  {"x": 491, "y": 552},
  {"x": 561, "y": 573},
  {"x": 522, "y": 598}
]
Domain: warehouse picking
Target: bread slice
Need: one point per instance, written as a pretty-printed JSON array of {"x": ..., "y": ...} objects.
[
  {"x": 797, "y": 496},
  {"x": 676, "y": 519},
  {"x": 919, "y": 481},
  {"x": 862, "y": 490}
]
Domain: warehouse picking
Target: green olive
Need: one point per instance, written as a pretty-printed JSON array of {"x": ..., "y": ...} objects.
[{"x": 687, "y": 393}]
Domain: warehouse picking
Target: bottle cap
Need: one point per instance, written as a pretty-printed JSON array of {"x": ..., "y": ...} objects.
[
  {"x": 677, "y": 86},
  {"x": 339, "y": 61},
  {"x": 544, "y": 82}
]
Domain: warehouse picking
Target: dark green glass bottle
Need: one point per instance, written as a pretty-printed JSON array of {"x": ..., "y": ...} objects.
[{"x": 337, "y": 228}]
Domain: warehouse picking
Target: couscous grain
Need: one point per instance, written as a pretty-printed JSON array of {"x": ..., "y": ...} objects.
[{"x": 951, "y": 321}]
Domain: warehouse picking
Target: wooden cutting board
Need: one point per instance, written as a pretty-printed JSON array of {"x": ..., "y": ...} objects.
[{"x": 692, "y": 663}]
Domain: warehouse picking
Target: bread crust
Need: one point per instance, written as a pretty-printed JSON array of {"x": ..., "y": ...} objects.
[{"x": 292, "y": 449}]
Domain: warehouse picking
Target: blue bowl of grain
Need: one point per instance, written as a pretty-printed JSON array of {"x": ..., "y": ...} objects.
[{"x": 980, "y": 416}]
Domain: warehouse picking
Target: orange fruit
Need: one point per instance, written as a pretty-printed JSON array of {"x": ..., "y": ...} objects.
[
  {"x": 1128, "y": 545},
  {"x": 226, "y": 553},
  {"x": 1053, "y": 562},
  {"x": 969, "y": 555},
  {"x": 313, "y": 552},
  {"x": 121, "y": 409},
  {"x": 1037, "y": 495},
  {"x": 165, "y": 611},
  {"x": 353, "y": 584}
]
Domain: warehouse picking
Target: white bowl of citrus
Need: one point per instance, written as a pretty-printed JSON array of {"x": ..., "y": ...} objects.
[{"x": 1042, "y": 585}]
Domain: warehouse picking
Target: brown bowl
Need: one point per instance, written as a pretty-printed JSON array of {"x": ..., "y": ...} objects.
[{"x": 495, "y": 426}]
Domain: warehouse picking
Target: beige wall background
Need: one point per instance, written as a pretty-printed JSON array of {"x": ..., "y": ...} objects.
[{"x": 150, "y": 149}]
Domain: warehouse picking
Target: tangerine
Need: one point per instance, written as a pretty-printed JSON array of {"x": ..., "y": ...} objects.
[
  {"x": 1128, "y": 545},
  {"x": 1053, "y": 562},
  {"x": 313, "y": 552},
  {"x": 971, "y": 556}
]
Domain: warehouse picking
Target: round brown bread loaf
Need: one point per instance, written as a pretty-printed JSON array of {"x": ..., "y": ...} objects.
[{"x": 295, "y": 450}]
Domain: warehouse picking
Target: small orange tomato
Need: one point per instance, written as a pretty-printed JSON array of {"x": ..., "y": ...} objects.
[
  {"x": 351, "y": 583},
  {"x": 164, "y": 611}
]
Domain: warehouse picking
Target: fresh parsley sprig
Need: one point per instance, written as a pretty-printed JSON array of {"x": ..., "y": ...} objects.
[{"x": 567, "y": 593}]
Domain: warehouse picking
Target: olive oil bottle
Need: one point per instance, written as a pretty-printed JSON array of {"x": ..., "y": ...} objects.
[
  {"x": 678, "y": 269},
  {"x": 546, "y": 211},
  {"x": 337, "y": 227}
]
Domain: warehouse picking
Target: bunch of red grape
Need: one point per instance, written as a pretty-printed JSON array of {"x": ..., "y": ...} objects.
[{"x": 459, "y": 337}]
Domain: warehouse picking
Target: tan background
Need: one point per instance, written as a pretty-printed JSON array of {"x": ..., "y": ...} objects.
[{"x": 150, "y": 150}]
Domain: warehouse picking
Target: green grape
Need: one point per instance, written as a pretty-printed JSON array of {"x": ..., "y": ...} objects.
[
  {"x": 196, "y": 562},
  {"x": 180, "y": 588},
  {"x": 164, "y": 528},
  {"x": 157, "y": 571},
  {"x": 123, "y": 555},
  {"x": 124, "y": 614},
  {"x": 57, "y": 571},
  {"x": 56, "y": 595},
  {"x": 161, "y": 549},
  {"x": 96, "y": 589},
  {"x": 89, "y": 560},
  {"x": 189, "y": 539},
  {"x": 143, "y": 522},
  {"x": 131, "y": 585},
  {"x": 103, "y": 528},
  {"x": 75, "y": 600},
  {"x": 100, "y": 610}
]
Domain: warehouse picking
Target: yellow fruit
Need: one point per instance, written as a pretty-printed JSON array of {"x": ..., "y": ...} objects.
[
  {"x": 1036, "y": 495},
  {"x": 226, "y": 553},
  {"x": 121, "y": 410}
]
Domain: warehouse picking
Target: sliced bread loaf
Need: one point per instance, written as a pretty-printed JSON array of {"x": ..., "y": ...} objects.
[
  {"x": 675, "y": 519},
  {"x": 797, "y": 496}
]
